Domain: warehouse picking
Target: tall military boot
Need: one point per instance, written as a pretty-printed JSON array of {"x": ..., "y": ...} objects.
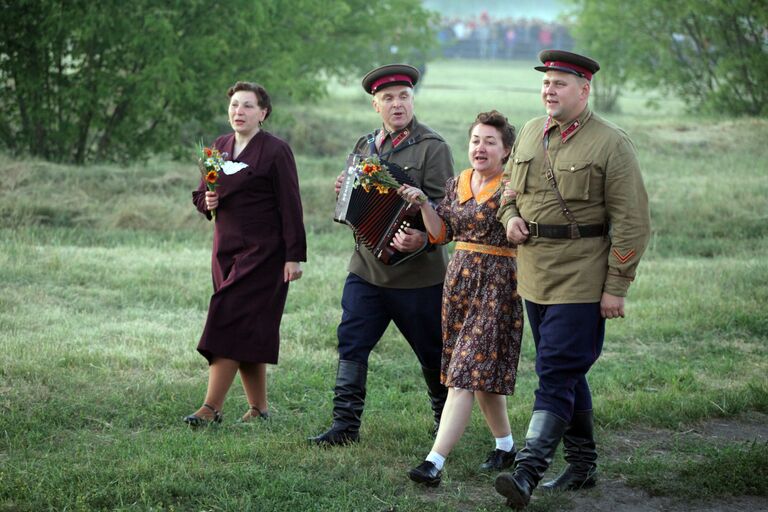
[
  {"x": 437, "y": 395},
  {"x": 544, "y": 433},
  {"x": 348, "y": 404},
  {"x": 581, "y": 455}
]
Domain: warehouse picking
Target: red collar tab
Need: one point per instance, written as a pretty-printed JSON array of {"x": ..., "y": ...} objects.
[
  {"x": 400, "y": 137},
  {"x": 564, "y": 134},
  {"x": 567, "y": 65},
  {"x": 389, "y": 79},
  {"x": 396, "y": 139},
  {"x": 569, "y": 131}
]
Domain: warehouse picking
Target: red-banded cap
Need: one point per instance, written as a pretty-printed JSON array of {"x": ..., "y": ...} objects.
[
  {"x": 389, "y": 75},
  {"x": 567, "y": 62}
]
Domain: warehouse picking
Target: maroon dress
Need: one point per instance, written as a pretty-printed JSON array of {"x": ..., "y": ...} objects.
[{"x": 258, "y": 228}]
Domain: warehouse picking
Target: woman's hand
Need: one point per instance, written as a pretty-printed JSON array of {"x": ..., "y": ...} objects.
[
  {"x": 292, "y": 271},
  {"x": 211, "y": 200},
  {"x": 413, "y": 195},
  {"x": 412, "y": 240}
]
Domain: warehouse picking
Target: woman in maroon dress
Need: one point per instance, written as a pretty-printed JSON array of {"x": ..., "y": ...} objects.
[
  {"x": 482, "y": 313},
  {"x": 258, "y": 244}
]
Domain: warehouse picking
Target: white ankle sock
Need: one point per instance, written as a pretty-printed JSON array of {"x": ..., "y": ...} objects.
[
  {"x": 436, "y": 459},
  {"x": 505, "y": 443}
]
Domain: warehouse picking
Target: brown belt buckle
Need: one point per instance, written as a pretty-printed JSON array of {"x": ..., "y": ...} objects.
[
  {"x": 532, "y": 225},
  {"x": 573, "y": 231}
]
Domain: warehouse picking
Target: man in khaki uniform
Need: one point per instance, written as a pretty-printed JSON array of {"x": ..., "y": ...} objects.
[
  {"x": 409, "y": 293},
  {"x": 575, "y": 203}
]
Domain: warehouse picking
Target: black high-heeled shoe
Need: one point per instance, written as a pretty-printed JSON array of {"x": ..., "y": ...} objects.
[
  {"x": 196, "y": 421},
  {"x": 253, "y": 413}
]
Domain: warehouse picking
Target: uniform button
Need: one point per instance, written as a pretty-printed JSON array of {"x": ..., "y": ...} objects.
[{"x": 573, "y": 168}]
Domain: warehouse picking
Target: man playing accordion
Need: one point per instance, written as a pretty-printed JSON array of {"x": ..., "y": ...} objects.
[{"x": 408, "y": 293}]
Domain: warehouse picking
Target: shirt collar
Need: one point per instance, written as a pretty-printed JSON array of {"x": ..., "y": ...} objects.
[
  {"x": 566, "y": 132},
  {"x": 397, "y": 137},
  {"x": 465, "y": 188}
]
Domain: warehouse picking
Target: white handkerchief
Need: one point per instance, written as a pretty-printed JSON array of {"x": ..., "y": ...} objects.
[{"x": 230, "y": 167}]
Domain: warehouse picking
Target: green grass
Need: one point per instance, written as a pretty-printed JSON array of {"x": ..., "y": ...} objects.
[
  {"x": 740, "y": 470},
  {"x": 105, "y": 283}
]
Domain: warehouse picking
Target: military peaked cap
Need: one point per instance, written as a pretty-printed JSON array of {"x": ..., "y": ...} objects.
[
  {"x": 567, "y": 62},
  {"x": 391, "y": 74}
]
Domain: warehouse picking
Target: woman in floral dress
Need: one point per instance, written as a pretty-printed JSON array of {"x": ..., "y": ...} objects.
[{"x": 482, "y": 315}]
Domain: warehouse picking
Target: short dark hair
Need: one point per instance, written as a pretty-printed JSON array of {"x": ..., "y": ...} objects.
[
  {"x": 262, "y": 96},
  {"x": 499, "y": 121}
]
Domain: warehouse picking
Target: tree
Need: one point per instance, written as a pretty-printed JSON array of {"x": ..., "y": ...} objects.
[
  {"x": 711, "y": 53},
  {"x": 117, "y": 80}
]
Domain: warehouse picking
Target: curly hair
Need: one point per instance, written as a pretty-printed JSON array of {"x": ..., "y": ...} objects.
[
  {"x": 262, "y": 96},
  {"x": 499, "y": 121}
]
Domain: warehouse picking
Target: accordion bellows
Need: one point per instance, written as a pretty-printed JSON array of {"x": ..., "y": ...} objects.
[{"x": 376, "y": 218}]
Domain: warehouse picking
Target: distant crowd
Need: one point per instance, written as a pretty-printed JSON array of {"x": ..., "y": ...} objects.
[{"x": 483, "y": 37}]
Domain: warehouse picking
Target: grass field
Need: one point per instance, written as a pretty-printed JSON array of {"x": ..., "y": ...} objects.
[{"x": 105, "y": 283}]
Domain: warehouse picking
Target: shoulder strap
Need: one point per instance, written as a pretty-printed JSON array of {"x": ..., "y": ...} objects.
[
  {"x": 550, "y": 175},
  {"x": 371, "y": 138}
]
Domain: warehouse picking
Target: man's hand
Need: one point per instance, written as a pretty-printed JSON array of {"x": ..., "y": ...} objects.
[
  {"x": 517, "y": 231},
  {"x": 409, "y": 240},
  {"x": 611, "y": 306},
  {"x": 338, "y": 183}
]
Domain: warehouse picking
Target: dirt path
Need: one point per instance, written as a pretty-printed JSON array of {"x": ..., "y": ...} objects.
[{"x": 616, "y": 496}]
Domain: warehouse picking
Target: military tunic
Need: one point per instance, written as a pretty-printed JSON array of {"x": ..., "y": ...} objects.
[
  {"x": 598, "y": 175},
  {"x": 429, "y": 163}
]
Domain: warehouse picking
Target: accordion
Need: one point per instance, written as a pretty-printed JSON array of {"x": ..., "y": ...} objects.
[{"x": 376, "y": 218}]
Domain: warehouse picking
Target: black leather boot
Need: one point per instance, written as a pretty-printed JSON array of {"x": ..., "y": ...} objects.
[
  {"x": 348, "y": 404},
  {"x": 544, "y": 433},
  {"x": 581, "y": 455},
  {"x": 437, "y": 395}
]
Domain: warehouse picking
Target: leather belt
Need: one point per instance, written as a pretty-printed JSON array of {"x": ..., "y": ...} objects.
[{"x": 570, "y": 231}]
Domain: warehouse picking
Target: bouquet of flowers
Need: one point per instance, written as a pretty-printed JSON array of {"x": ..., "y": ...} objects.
[
  {"x": 211, "y": 162},
  {"x": 370, "y": 172}
]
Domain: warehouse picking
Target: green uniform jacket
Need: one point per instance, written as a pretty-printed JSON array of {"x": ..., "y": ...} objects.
[
  {"x": 598, "y": 175},
  {"x": 430, "y": 164}
]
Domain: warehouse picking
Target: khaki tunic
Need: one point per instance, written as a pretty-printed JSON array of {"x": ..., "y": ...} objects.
[
  {"x": 430, "y": 164},
  {"x": 598, "y": 175}
]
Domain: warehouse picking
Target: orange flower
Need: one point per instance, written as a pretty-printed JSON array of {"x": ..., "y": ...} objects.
[
  {"x": 208, "y": 152},
  {"x": 370, "y": 169},
  {"x": 212, "y": 176}
]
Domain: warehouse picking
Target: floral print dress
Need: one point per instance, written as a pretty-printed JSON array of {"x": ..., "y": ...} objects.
[{"x": 482, "y": 314}]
